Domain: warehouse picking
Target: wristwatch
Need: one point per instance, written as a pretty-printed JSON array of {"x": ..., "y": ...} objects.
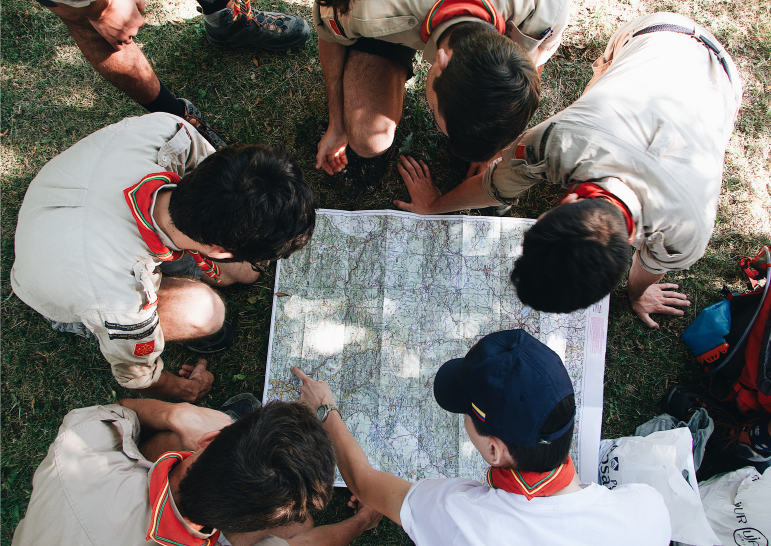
[{"x": 323, "y": 412}]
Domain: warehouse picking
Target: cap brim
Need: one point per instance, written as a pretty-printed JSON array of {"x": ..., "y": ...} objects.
[{"x": 448, "y": 392}]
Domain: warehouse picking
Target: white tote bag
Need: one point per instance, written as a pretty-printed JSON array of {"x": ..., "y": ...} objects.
[
  {"x": 738, "y": 506},
  {"x": 664, "y": 461}
]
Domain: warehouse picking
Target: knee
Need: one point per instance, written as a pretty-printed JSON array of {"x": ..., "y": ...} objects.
[
  {"x": 205, "y": 310},
  {"x": 370, "y": 140}
]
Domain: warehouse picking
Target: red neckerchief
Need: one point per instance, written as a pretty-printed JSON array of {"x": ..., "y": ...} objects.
[
  {"x": 447, "y": 9},
  {"x": 532, "y": 484},
  {"x": 140, "y": 198},
  {"x": 593, "y": 191},
  {"x": 165, "y": 527}
]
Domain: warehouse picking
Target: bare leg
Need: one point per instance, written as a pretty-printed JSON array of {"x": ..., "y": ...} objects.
[
  {"x": 188, "y": 309},
  {"x": 127, "y": 69},
  {"x": 373, "y": 91}
]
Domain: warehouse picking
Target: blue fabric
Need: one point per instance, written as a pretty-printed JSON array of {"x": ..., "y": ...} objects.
[{"x": 709, "y": 329}]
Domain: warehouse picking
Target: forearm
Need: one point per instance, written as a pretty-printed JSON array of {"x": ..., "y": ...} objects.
[
  {"x": 470, "y": 194},
  {"x": 640, "y": 279},
  {"x": 168, "y": 385},
  {"x": 338, "y": 534},
  {"x": 379, "y": 490},
  {"x": 332, "y": 57},
  {"x": 153, "y": 414}
]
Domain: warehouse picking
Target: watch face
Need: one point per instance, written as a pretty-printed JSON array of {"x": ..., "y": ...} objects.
[{"x": 321, "y": 412}]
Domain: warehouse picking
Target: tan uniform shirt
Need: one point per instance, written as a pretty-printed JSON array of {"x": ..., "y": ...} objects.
[
  {"x": 535, "y": 25},
  {"x": 651, "y": 128},
  {"x": 79, "y": 254},
  {"x": 92, "y": 489}
]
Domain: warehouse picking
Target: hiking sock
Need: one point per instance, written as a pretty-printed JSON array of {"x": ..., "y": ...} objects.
[
  {"x": 165, "y": 102},
  {"x": 760, "y": 439},
  {"x": 212, "y": 6}
]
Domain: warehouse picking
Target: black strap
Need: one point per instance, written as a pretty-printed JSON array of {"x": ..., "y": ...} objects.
[{"x": 690, "y": 32}]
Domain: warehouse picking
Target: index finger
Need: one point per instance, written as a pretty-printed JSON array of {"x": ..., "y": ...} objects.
[{"x": 300, "y": 374}]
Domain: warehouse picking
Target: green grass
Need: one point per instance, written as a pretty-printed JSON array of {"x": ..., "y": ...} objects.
[{"x": 52, "y": 98}]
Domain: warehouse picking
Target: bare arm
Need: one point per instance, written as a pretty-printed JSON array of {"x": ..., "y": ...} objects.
[
  {"x": 331, "y": 149},
  {"x": 426, "y": 197},
  {"x": 177, "y": 426},
  {"x": 339, "y": 534},
  {"x": 191, "y": 385},
  {"x": 384, "y": 492},
  {"x": 647, "y": 297},
  {"x": 118, "y": 21}
]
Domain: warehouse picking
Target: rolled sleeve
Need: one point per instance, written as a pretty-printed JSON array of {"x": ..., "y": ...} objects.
[
  {"x": 656, "y": 258},
  {"x": 560, "y": 21},
  {"x": 321, "y": 28},
  {"x": 132, "y": 345},
  {"x": 507, "y": 178}
]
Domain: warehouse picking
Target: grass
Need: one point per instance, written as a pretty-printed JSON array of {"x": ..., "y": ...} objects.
[{"x": 52, "y": 98}]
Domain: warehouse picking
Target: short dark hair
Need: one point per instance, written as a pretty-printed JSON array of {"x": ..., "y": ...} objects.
[
  {"x": 572, "y": 257},
  {"x": 251, "y": 200},
  {"x": 542, "y": 457},
  {"x": 268, "y": 469},
  {"x": 487, "y": 93}
]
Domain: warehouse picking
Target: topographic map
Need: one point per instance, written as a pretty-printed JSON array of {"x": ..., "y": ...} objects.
[{"x": 379, "y": 300}]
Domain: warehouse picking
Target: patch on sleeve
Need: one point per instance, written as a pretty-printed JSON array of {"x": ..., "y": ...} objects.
[
  {"x": 143, "y": 349},
  {"x": 519, "y": 152},
  {"x": 334, "y": 27}
]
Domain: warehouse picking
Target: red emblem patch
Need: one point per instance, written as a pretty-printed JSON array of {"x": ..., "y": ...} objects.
[
  {"x": 519, "y": 153},
  {"x": 333, "y": 26},
  {"x": 142, "y": 349}
]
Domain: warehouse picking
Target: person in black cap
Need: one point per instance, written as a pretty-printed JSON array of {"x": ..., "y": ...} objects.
[{"x": 519, "y": 411}]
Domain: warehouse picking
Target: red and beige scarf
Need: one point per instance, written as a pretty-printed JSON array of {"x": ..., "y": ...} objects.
[
  {"x": 593, "y": 191},
  {"x": 140, "y": 199},
  {"x": 165, "y": 527},
  {"x": 447, "y": 9},
  {"x": 531, "y": 484}
]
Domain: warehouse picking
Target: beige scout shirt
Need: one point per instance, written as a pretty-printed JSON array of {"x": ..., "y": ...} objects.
[
  {"x": 79, "y": 254},
  {"x": 651, "y": 128},
  {"x": 536, "y": 25},
  {"x": 93, "y": 486}
]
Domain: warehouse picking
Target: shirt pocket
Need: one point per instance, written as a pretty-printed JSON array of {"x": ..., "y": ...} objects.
[
  {"x": 385, "y": 26},
  {"x": 530, "y": 45},
  {"x": 172, "y": 156}
]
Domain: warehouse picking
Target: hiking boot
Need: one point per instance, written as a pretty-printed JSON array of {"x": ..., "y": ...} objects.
[
  {"x": 731, "y": 433},
  {"x": 240, "y": 405},
  {"x": 195, "y": 118},
  {"x": 215, "y": 343},
  {"x": 366, "y": 174},
  {"x": 497, "y": 210},
  {"x": 265, "y": 29}
]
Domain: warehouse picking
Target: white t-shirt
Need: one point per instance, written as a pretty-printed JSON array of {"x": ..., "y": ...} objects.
[{"x": 457, "y": 511}]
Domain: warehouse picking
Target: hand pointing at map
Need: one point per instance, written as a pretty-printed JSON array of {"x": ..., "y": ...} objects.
[{"x": 313, "y": 394}]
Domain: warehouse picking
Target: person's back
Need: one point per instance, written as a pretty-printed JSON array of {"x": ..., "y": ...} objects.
[
  {"x": 460, "y": 511},
  {"x": 519, "y": 409}
]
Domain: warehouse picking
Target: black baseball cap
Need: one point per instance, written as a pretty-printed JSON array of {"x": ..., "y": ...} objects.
[{"x": 511, "y": 382}]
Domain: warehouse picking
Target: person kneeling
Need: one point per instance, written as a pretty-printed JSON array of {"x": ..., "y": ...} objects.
[
  {"x": 255, "y": 480},
  {"x": 519, "y": 411}
]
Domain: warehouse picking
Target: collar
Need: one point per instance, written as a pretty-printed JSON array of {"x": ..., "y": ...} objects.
[
  {"x": 591, "y": 190},
  {"x": 167, "y": 527},
  {"x": 446, "y": 13},
  {"x": 532, "y": 484},
  {"x": 165, "y": 239},
  {"x": 141, "y": 200}
]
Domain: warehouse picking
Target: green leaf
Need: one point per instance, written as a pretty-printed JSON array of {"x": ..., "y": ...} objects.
[
  {"x": 406, "y": 146},
  {"x": 253, "y": 299}
]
